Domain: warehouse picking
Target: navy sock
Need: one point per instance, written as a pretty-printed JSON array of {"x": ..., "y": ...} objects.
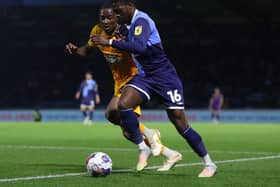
[
  {"x": 131, "y": 125},
  {"x": 218, "y": 117},
  {"x": 90, "y": 115},
  {"x": 85, "y": 114},
  {"x": 212, "y": 116},
  {"x": 195, "y": 141}
]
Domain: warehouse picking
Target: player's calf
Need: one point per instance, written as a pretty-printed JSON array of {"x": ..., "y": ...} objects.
[{"x": 193, "y": 138}]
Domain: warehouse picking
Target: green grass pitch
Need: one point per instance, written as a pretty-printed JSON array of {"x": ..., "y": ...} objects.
[{"x": 246, "y": 155}]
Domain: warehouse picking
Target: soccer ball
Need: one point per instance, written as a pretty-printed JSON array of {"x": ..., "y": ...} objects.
[{"x": 98, "y": 164}]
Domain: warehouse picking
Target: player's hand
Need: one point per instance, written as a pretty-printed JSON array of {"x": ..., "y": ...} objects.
[
  {"x": 99, "y": 40},
  {"x": 71, "y": 48},
  {"x": 97, "y": 99},
  {"x": 121, "y": 37},
  {"x": 77, "y": 96}
]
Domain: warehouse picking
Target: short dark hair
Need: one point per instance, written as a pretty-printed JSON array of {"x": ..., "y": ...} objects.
[
  {"x": 126, "y": 2},
  {"x": 89, "y": 72},
  {"x": 106, "y": 4}
]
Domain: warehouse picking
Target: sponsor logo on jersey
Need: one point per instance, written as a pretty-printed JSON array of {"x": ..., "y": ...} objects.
[{"x": 138, "y": 30}]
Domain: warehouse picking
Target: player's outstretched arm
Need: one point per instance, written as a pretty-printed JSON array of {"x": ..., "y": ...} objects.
[
  {"x": 141, "y": 35},
  {"x": 73, "y": 49}
]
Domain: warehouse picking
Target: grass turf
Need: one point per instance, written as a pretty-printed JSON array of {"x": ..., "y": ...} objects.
[{"x": 40, "y": 149}]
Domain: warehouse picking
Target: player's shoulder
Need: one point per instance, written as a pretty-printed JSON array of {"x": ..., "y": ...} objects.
[
  {"x": 82, "y": 84},
  {"x": 97, "y": 29},
  {"x": 144, "y": 20},
  {"x": 143, "y": 16}
]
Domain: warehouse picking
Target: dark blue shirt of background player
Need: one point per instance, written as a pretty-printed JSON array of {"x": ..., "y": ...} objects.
[
  {"x": 88, "y": 91},
  {"x": 88, "y": 95}
]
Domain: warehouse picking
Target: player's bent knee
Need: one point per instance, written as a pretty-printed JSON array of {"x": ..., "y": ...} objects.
[
  {"x": 113, "y": 116},
  {"x": 176, "y": 114},
  {"x": 129, "y": 99},
  {"x": 178, "y": 118},
  {"x": 127, "y": 104},
  {"x": 123, "y": 105}
]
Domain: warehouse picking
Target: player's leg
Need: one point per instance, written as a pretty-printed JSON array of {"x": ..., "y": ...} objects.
[
  {"x": 169, "y": 88},
  {"x": 152, "y": 135},
  {"x": 129, "y": 99},
  {"x": 218, "y": 116},
  {"x": 213, "y": 116},
  {"x": 178, "y": 118},
  {"x": 152, "y": 139},
  {"x": 113, "y": 115},
  {"x": 91, "y": 110},
  {"x": 83, "y": 109},
  {"x": 172, "y": 157}
]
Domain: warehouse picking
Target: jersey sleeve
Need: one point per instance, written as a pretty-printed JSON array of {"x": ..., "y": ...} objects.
[
  {"x": 94, "y": 31},
  {"x": 141, "y": 35}
]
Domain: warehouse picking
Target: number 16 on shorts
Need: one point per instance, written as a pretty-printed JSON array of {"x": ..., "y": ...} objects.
[{"x": 175, "y": 96}]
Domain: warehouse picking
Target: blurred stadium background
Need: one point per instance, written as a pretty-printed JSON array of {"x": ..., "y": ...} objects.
[
  {"x": 230, "y": 44},
  {"x": 233, "y": 45}
]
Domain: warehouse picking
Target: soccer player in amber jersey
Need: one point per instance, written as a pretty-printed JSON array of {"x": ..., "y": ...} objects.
[
  {"x": 123, "y": 70},
  {"x": 156, "y": 77}
]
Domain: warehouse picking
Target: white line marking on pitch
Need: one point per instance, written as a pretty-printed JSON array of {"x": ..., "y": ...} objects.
[
  {"x": 121, "y": 149},
  {"x": 41, "y": 177},
  {"x": 129, "y": 170}
]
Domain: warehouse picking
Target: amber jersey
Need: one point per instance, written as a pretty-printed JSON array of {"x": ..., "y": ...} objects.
[{"x": 120, "y": 62}]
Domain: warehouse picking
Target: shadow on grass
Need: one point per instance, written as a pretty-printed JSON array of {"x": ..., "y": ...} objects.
[{"x": 149, "y": 173}]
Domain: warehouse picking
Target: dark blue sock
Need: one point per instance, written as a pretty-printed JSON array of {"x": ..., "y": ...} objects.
[
  {"x": 195, "y": 141},
  {"x": 131, "y": 125},
  {"x": 85, "y": 114},
  {"x": 218, "y": 117},
  {"x": 90, "y": 115}
]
